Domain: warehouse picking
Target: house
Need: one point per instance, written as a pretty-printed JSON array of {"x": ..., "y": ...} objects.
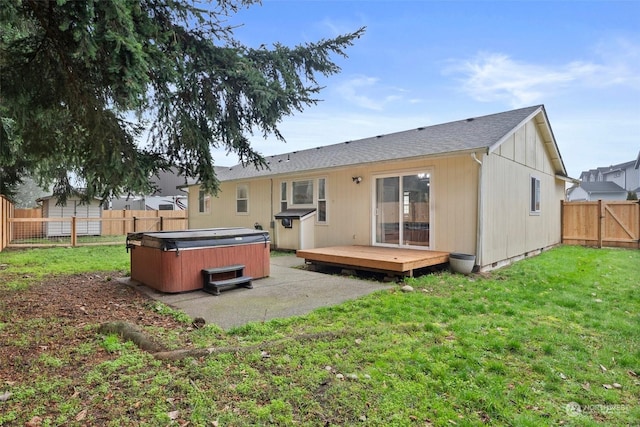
[
  {"x": 625, "y": 176},
  {"x": 598, "y": 190},
  {"x": 490, "y": 186},
  {"x": 168, "y": 195},
  {"x": 150, "y": 203},
  {"x": 74, "y": 207}
]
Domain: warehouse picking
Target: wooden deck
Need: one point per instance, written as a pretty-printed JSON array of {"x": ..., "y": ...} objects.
[{"x": 374, "y": 258}]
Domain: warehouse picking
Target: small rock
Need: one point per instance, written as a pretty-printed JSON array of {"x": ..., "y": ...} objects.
[
  {"x": 34, "y": 422},
  {"x": 367, "y": 376},
  {"x": 198, "y": 322},
  {"x": 563, "y": 376},
  {"x": 407, "y": 288},
  {"x": 328, "y": 368},
  {"x": 339, "y": 376},
  {"x": 616, "y": 385},
  {"x": 607, "y": 386},
  {"x": 597, "y": 300},
  {"x": 5, "y": 396},
  {"x": 358, "y": 341},
  {"x": 173, "y": 415},
  {"x": 265, "y": 355},
  {"x": 81, "y": 415},
  {"x": 352, "y": 377},
  {"x": 363, "y": 418}
]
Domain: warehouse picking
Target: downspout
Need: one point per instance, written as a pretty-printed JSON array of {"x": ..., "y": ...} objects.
[
  {"x": 272, "y": 230},
  {"x": 480, "y": 212}
]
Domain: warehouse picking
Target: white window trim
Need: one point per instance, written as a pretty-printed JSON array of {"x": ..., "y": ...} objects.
[
  {"x": 313, "y": 195},
  {"x": 204, "y": 198},
  {"x": 284, "y": 200},
  {"x": 325, "y": 200},
  {"x": 535, "y": 195},
  {"x": 432, "y": 211},
  {"x": 238, "y": 199}
]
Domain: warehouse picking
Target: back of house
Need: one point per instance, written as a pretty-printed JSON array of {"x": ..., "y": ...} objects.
[{"x": 490, "y": 186}]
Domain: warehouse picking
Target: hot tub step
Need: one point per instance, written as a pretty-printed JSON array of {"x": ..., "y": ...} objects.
[
  {"x": 213, "y": 287},
  {"x": 219, "y": 277}
]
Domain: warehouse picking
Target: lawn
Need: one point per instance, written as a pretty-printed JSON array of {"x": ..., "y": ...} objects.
[{"x": 551, "y": 340}]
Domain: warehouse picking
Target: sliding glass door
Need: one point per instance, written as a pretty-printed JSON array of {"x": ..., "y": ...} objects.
[{"x": 402, "y": 211}]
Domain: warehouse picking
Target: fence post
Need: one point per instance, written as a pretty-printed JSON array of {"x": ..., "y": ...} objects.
[
  {"x": 561, "y": 221},
  {"x": 74, "y": 235},
  {"x": 161, "y": 223},
  {"x": 638, "y": 202},
  {"x": 134, "y": 224},
  {"x": 600, "y": 221}
]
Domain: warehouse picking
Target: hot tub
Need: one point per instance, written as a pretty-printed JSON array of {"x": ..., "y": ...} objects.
[{"x": 172, "y": 261}]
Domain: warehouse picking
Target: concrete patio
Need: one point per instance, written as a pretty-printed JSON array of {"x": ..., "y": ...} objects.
[{"x": 288, "y": 291}]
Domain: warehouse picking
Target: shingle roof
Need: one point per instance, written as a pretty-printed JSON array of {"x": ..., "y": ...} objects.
[
  {"x": 602, "y": 187},
  {"x": 459, "y": 136}
]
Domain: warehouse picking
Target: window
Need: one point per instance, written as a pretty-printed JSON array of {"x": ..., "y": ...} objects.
[
  {"x": 322, "y": 200},
  {"x": 302, "y": 192},
  {"x": 242, "y": 198},
  {"x": 535, "y": 195},
  {"x": 204, "y": 202},
  {"x": 283, "y": 196}
]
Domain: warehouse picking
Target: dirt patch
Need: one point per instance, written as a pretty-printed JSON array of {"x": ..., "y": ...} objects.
[{"x": 50, "y": 329}]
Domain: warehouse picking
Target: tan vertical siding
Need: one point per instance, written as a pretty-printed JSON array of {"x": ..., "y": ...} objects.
[
  {"x": 349, "y": 205},
  {"x": 509, "y": 229},
  {"x": 456, "y": 202}
]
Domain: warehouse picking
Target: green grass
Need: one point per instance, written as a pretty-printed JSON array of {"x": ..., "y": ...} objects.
[
  {"x": 22, "y": 267},
  {"x": 522, "y": 346}
]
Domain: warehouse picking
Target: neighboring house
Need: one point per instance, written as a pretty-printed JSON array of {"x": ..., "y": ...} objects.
[
  {"x": 625, "y": 175},
  {"x": 74, "y": 207},
  {"x": 602, "y": 190},
  {"x": 150, "y": 203},
  {"x": 168, "y": 195},
  {"x": 489, "y": 186}
]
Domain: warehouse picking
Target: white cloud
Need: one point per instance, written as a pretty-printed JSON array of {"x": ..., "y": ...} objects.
[
  {"x": 498, "y": 77},
  {"x": 353, "y": 91},
  {"x": 367, "y": 92}
]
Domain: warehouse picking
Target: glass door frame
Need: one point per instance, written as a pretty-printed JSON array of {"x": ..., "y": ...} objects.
[{"x": 375, "y": 212}]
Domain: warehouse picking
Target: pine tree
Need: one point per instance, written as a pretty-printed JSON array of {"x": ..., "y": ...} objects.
[{"x": 113, "y": 91}]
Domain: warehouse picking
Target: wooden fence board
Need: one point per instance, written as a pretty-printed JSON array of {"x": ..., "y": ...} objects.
[
  {"x": 28, "y": 230},
  {"x": 120, "y": 222},
  {"x": 6, "y": 212},
  {"x": 601, "y": 223}
]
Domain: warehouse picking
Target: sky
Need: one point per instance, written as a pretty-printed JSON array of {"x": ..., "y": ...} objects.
[{"x": 422, "y": 63}]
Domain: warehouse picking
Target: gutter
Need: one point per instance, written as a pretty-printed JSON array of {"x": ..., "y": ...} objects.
[{"x": 479, "y": 235}]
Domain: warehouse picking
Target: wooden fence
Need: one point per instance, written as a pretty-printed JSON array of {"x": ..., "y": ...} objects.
[
  {"x": 601, "y": 223},
  {"x": 6, "y": 212},
  {"x": 121, "y": 222},
  {"x": 27, "y": 227},
  {"x": 28, "y": 230}
]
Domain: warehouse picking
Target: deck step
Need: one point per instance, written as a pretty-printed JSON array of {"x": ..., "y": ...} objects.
[{"x": 216, "y": 278}]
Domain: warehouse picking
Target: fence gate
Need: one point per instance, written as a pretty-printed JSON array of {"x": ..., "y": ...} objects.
[{"x": 601, "y": 223}]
